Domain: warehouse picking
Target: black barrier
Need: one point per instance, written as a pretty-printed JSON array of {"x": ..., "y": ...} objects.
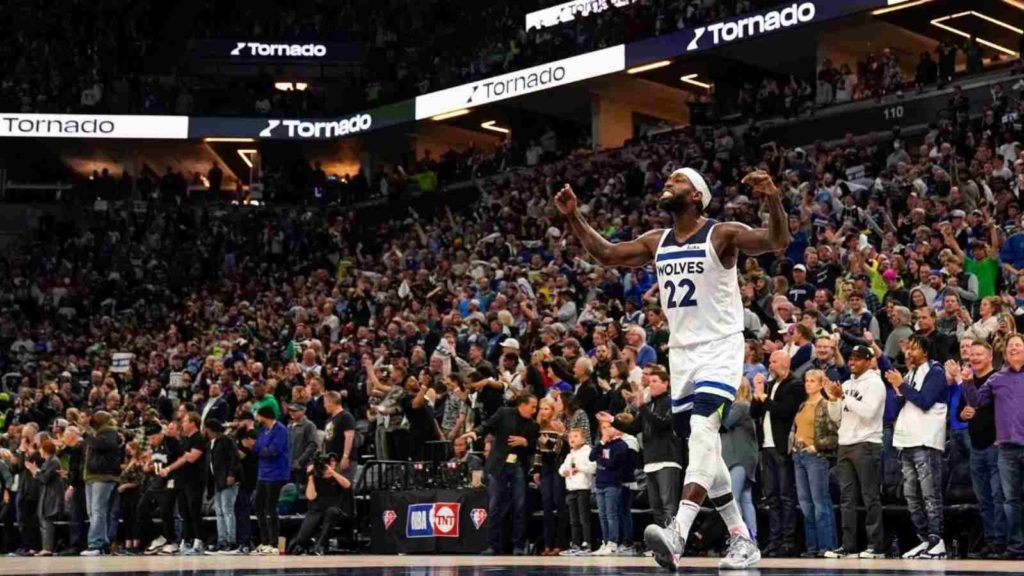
[
  {"x": 429, "y": 522},
  {"x": 380, "y": 475}
]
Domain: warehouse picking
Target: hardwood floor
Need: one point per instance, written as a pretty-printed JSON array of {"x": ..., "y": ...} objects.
[{"x": 468, "y": 566}]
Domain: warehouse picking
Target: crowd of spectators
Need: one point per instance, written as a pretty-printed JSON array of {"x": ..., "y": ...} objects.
[
  {"x": 280, "y": 348},
  {"x": 409, "y": 50}
]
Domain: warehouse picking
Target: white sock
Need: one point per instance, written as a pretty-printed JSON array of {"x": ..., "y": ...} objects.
[
  {"x": 733, "y": 521},
  {"x": 685, "y": 516}
]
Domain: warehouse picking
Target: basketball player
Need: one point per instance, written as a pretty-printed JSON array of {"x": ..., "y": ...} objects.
[{"x": 700, "y": 296}]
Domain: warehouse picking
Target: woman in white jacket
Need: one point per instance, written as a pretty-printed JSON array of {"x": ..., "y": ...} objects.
[{"x": 579, "y": 471}]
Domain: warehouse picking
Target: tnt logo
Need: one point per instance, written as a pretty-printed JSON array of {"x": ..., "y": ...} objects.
[
  {"x": 433, "y": 520},
  {"x": 389, "y": 517},
  {"x": 478, "y": 516}
]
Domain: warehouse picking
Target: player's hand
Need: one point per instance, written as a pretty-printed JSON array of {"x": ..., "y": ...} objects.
[
  {"x": 833, "y": 390},
  {"x": 952, "y": 371},
  {"x": 967, "y": 413},
  {"x": 565, "y": 200},
  {"x": 894, "y": 378},
  {"x": 761, "y": 182},
  {"x": 967, "y": 372},
  {"x": 759, "y": 384}
]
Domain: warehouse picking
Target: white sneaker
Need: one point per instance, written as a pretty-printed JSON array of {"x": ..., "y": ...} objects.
[
  {"x": 92, "y": 552},
  {"x": 665, "y": 543},
  {"x": 584, "y": 550},
  {"x": 171, "y": 548},
  {"x": 156, "y": 545},
  {"x": 743, "y": 553},
  {"x": 936, "y": 552},
  {"x": 871, "y": 554},
  {"x": 602, "y": 551},
  {"x": 916, "y": 551}
]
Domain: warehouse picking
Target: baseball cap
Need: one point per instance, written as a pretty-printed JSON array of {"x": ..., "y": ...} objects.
[
  {"x": 153, "y": 428},
  {"x": 889, "y": 275},
  {"x": 510, "y": 343},
  {"x": 296, "y": 407},
  {"x": 862, "y": 352},
  {"x": 800, "y": 267},
  {"x": 214, "y": 425},
  {"x": 958, "y": 213}
]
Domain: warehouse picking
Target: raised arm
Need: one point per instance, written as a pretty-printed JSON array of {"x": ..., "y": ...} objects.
[
  {"x": 731, "y": 237},
  {"x": 633, "y": 253}
]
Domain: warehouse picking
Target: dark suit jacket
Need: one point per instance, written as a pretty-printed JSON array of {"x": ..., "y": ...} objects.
[
  {"x": 219, "y": 410},
  {"x": 502, "y": 424},
  {"x": 783, "y": 409}
]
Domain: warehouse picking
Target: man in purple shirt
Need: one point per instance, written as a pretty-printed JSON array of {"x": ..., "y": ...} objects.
[{"x": 1006, "y": 388}]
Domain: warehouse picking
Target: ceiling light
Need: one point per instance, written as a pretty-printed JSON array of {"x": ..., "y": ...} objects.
[
  {"x": 651, "y": 66},
  {"x": 291, "y": 86},
  {"x": 1015, "y": 4},
  {"x": 490, "y": 125},
  {"x": 941, "y": 23},
  {"x": 245, "y": 153},
  {"x": 692, "y": 79},
  {"x": 998, "y": 22},
  {"x": 894, "y": 6},
  {"x": 453, "y": 114}
]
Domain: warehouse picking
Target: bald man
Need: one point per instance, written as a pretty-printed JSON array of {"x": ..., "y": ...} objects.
[{"x": 777, "y": 400}]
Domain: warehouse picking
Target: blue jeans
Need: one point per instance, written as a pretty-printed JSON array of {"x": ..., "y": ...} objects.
[
  {"x": 224, "y": 509},
  {"x": 608, "y": 512},
  {"x": 98, "y": 499},
  {"x": 743, "y": 492},
  {"x": 507, "y": 490},
  {"x": 815, "y": 502},
  {"x": 988, "y": 489},
  {"x": 1011, "y": 471},
  {"x": 626, "y": 517},
  {"x": 922, "y": 488}
]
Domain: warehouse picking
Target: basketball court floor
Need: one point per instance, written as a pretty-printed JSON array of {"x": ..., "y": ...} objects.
[{"x": 479, "y": 566}]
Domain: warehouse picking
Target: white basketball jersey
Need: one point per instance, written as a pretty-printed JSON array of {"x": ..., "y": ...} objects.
[{"x": 700, "y": 297}]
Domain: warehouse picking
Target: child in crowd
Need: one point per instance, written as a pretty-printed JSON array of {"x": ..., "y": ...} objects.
[
  {"x": 578, "y": 470},
  {"x": 614, "y": 467}
]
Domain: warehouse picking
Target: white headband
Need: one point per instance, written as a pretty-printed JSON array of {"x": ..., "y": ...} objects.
[{"x": 698, "y": 182}]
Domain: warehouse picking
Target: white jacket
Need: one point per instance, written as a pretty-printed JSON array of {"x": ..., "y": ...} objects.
[
  {"x": 586, "y": 469},
  {"x": 861, "y": 409}
]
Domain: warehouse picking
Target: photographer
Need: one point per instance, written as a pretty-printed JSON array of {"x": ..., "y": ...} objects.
[{"x": 324, "y": 490}]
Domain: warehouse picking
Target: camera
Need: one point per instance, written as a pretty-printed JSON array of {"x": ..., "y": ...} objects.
[{"x": 321, "y": 461}]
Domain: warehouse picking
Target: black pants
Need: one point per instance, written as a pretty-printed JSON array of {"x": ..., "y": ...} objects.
[
  {"x": 28, "y": 519},
  {"x": 578, "y": 502},
  {"x": 190, "y": 505},
  {"x": 162, "y": 502},
  {"x": 663, "y": 488},
  {"x": 859, "y": 469},
  {"x": 130, "y": 500},
  {"x": 315, "y": 519},
  {"x": 267, "y": 494},
  {"x": 77, "y": 515},
  {"x": 780, "y": 491}
]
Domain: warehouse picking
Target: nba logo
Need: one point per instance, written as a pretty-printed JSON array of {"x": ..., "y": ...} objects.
[
  {"x": 433, "y": 520},
  {"x": 478, "y": 516},
  {"x": 389, "y": 517},
  {"x": 417, "y": 524}
]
